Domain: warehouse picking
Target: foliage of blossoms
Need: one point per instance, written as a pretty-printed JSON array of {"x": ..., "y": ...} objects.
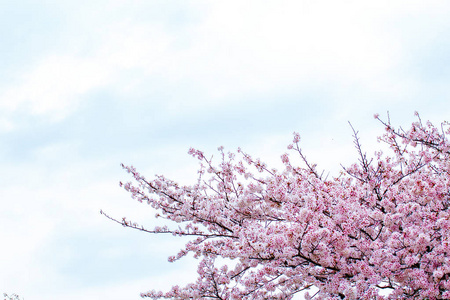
[
  {"x": 11, "y": 297},
  {"x": 381, "y": 230}
]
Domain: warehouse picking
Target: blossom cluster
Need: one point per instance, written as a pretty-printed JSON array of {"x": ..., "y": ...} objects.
[{"x": 381, "y": 230}]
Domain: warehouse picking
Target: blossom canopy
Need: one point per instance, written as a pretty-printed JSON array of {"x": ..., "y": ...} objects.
[{"x": 380, "y": 230}]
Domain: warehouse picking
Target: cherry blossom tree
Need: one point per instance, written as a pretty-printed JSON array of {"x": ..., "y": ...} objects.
[
  {"x": 380, "y": 230},
  {"x": 11, "y": 297}
]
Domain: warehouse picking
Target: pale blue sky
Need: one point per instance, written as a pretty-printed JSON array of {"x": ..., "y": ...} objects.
[{"x": 87, "y": 85}]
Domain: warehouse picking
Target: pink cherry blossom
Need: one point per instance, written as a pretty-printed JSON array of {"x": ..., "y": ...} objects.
[{"x": 381, "y": 230}]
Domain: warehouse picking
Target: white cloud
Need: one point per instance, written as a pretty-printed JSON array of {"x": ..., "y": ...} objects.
[
  {"x": 234, "y": 49},
  {"x": 243, "y": 48},
  {"x": 54, "y": 85}
]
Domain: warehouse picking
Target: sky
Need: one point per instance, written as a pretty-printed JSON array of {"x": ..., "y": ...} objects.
[{"x": 88, "y": 85}]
